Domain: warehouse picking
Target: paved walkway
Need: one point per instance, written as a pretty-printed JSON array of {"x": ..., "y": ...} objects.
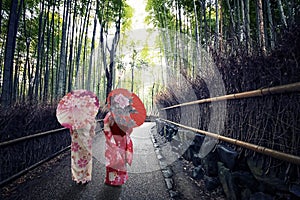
[{"x": 53, "y": 180}]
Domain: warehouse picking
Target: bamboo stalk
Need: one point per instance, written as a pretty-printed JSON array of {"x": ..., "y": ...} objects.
[
  {"x": 294, "y": 87},
  {"x": 260, "y": 149}
]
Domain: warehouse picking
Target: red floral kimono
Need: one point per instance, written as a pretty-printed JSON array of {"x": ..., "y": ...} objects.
[{"x": 118, "y": 152}]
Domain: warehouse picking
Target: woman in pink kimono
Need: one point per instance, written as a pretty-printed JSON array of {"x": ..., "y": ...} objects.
[
  {"x": 81, "y": 153},
  {"x": 77, "y": 111},
  {"x": 118, "y": 151}
]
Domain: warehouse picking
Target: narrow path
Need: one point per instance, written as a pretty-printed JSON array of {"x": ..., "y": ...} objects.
[{"x": 53, "y": 179}]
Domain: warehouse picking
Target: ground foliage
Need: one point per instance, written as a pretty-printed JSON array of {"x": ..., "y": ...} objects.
[{"x": 26, "y": 119}]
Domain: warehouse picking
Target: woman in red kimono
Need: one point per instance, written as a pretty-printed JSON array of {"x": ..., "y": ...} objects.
[{"x": 118, "y": 151}]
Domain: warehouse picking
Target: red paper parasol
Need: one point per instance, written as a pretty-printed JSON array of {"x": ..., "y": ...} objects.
[
  {"x": 126, "y": 107},
  {"x": 77, "y": 109}
]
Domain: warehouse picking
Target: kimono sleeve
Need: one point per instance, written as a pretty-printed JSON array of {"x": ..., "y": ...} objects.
[
  {"x": 129, "y": 150},
  {"x": 106, "y": 126}
]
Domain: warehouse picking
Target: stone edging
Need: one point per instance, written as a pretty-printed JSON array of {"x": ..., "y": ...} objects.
[{"x": 165, "y": 169}]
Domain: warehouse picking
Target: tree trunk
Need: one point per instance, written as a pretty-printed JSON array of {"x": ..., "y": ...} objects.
[
  {"x": 1, "y": 3},
  {"x": 57, "y": 61},
  {"x": 271, "y": 26},
  {"x": 198, "y": 51},
  {"x": 232, "y": 23},
  {"x": 81, "y": 34},
  {"x": 247, "y": 25},
  {"x": 68, "y": 67},
  {"x": 39, "y": 56},
  {"x": 221, "y": 27},
  {"x": 134, "y": 53},
  {"x": 103, "y": 54},
  {"x": 110, "y": 70},
  {"x": 282, "y": 15},
  {"x": 47, "y": 71},
  {"x": 26, "y": 64},
  {"x": 52, "y": 52},
  {"x": 9, "y": 54},
  {"x": 92, "y": 50},
  {"x": 243, "y": 22},
  {"x": 62, "y": 65},
  {"x": 261, "y": 30},
  {"x": 176, "y": 49},
  {"x": 217, "y": 26},
  {"x": 16, "y": 79},
  {"x": 205, "y": 25},
  {"x": 84, "y": 52},
  {"x": 71, "y": 49}
]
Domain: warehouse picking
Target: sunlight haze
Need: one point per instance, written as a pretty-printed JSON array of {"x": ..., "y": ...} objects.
[{"x": 139, "y": 13}]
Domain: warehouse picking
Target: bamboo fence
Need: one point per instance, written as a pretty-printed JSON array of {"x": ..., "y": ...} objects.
[
  {"x": 260, "y": 149},
  {"x": 294, "y": 87},
  {"x": 34, "y": 136}
]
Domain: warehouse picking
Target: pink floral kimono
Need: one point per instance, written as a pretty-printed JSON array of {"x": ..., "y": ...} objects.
[
  {"x": 118, "y": 152},
  {"x": 81, "y": 153},
  {"x": 77, "y": 111}
]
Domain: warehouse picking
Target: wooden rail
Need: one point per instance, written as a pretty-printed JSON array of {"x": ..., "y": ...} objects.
[
  {"x": 30, "y": 136},
  {"x": 294, "y": 87},
  {"x": 260, "y": 149},
  {"x": 34, "y": 136}
]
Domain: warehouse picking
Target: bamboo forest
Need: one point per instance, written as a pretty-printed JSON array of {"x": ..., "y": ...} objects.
[{"x": 224, "y": 71}]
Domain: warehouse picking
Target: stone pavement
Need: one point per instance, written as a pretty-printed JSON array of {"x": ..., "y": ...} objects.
[{"x": 52, "y": 180}]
